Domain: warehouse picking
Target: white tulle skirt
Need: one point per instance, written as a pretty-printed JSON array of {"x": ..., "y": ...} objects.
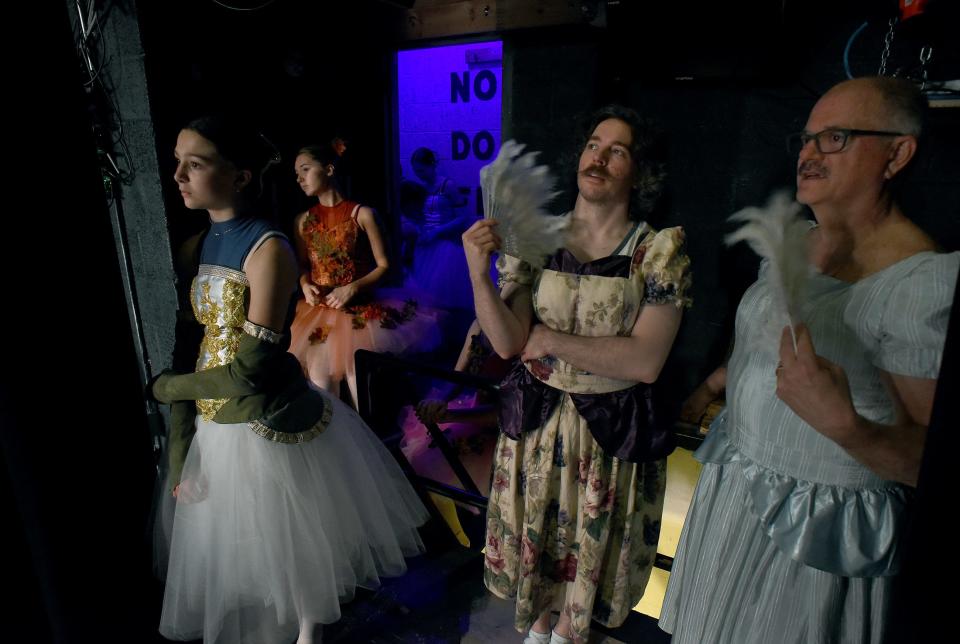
[{"x": 268, "y": 535}]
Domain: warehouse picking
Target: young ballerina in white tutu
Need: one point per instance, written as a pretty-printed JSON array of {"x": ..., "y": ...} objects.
[{"x": 287, "y": 501}]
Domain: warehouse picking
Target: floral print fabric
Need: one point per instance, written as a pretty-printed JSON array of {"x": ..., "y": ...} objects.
[{"x": 570, "y": 527}]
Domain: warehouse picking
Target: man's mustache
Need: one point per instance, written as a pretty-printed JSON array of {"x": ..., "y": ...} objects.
[
  {"x": 597, "y": 170},
  {"x": 811, "y": 166}
]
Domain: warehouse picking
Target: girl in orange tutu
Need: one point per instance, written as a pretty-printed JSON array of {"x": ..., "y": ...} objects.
[{"x": 343, "y": 257}]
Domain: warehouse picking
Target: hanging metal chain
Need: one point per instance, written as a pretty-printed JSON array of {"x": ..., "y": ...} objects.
[
  {"x": 925, "y": 54},
  {"x": 887, "y": 41}
]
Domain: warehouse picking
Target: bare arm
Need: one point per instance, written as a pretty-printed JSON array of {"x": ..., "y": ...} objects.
[
  {"x": 708, "y": 391},
  {"x": 272, "y": 272},
  {"x": 453, "y": 193},
  {"x": 463, "y": 219},
  {"x": 505, "y": 323},
  {"x": 639, "y": 357},
  {"x": 368, "y": 224},
  {"x": 895, "y": 451},
  {"x": 817, "y": 390},
  {"x": 464, "y": 358}
]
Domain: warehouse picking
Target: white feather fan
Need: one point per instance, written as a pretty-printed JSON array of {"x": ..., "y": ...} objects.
[
  {"x": 515, "y": 192},
  {"x": 778, "y": 233}
]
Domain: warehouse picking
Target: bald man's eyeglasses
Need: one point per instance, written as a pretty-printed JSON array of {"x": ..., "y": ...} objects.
[{"x": 832, "y": 140}]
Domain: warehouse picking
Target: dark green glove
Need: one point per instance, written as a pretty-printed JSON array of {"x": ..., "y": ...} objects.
[
  {"x": 183, "y": 426},
  {"x": 263, "y": 383},
  {"x": 256, "y": 364}
]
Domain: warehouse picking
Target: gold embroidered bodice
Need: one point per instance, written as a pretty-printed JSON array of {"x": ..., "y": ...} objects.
[{"x": 219, "y": 297}]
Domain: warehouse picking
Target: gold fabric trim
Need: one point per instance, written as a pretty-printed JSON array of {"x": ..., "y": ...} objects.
[
  {"x": 262, "y": 332},
  {"x": 226, "y": 273},
  {"x": 291, "y": 438},
  {"x": 208, "y": 408}
]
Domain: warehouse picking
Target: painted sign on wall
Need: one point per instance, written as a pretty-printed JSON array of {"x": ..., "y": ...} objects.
[{"x": 449, "y": 102}]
